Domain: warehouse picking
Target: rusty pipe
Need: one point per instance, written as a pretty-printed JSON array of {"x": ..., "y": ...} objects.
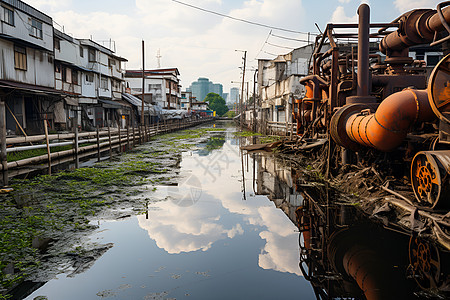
[
  {"x": 363, "y": 50},
  {"x": 388, "y": 126},
  {"x": 416, "y": 27},
  {"x": 364, "y": 266}
]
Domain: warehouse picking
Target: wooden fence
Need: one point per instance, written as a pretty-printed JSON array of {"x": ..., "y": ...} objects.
[{"x": 84, "y": 144}]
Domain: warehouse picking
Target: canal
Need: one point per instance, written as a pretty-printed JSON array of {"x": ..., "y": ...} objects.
[{"x": 210, "y": 230}]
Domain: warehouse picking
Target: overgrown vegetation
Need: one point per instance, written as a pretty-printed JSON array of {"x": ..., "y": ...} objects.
[
  {"x": 19, "y": 155},
  {"x": 246, "y": 133}
]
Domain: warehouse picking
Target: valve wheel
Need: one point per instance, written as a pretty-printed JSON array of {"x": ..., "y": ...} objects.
[
  {"x": 426, "y": 178},
  {"x": 425, "y": 262}
]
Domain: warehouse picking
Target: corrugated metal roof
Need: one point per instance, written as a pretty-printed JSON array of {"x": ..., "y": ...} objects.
[
  {"x": 29, "y": 10},
  {"x": 110, "y": 104},
  {"x": 138, "y": 103},
  {"x": 29, "y": 87}
]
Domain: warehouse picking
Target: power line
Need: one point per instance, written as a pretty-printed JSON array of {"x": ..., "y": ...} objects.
[
  {"x": 270, "y": 53},
  {"x": 260, "y": 50},
  {"x": 237, "y": 19},
  {"x": 291, "y": 39},
  {"x": 289, "y": 48}
]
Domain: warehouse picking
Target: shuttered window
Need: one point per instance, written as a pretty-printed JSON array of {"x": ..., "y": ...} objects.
[
  {"x": 35, "y": 28},
  {"x": 8, "y": 16},
  {"x": 20, "y": 58}
]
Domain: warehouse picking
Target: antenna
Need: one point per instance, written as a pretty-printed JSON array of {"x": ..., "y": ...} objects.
[{"x": 158, "y": 56}]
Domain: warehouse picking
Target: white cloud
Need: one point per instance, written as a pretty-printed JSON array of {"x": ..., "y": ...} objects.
[
  {"x": 344, "y": 1},
  {"x": 339, "y": 16},
  {"x": 280, "y": 253},
  {"x": 406, "y": 5},
  {"x": 49, "y": 5},
  {"x": 185, "y": 229}
]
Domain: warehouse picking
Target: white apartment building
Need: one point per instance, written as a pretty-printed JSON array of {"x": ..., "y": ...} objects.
[{"x": 162, "y": 86}]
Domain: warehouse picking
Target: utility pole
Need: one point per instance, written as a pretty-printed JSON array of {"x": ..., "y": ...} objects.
[
  {"x": 254, "y": 100},
  {"x": 143, "y": 83},
  {"x": 241, "y": 119}
]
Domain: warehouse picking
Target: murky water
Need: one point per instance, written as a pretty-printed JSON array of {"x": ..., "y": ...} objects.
[{"x": 203, "y": 239}]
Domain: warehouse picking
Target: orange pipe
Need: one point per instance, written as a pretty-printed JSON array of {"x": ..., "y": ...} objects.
[{"x": 388, "y": 126}]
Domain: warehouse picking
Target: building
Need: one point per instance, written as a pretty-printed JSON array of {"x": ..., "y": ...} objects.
[
  {"x": 203, "y": 87},
  {"x": 49, "y": 75},
  {"x": 162, "y": 86},
  {"x": 186, "y": 100},
  {"x": 91, "y": 78},
  {"x": 225, "y": 96},
  {"x": 26, "y": 68},
  {"x": 234, "y": 95},
  {"x": 102, "y": 83},
  {"x": 278, "y": 83}
]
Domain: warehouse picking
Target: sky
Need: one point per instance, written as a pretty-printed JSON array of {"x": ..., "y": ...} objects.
[{"x": 201, "y": 44}]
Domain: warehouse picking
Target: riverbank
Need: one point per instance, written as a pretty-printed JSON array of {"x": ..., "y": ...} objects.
[{"x": 45, "y": 218}]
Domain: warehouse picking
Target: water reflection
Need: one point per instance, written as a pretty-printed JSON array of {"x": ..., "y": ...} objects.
[
  {"x": 343, "y": 253},
  {"x": 197, "y": 239},
  {"x": 178, "y": 229}
]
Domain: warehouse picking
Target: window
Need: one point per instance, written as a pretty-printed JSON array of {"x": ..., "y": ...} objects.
[
  {"x": 64, "y": 74},
  {"x": 20, "y": 58},
  {"x": 35, "y": 28},
  {"x": 104, "y": 83},
  {"x": 432, "y": 60},
  {"x": 74, "y": 76},
  {"x": 91, "y": 55},
  {"x": 57, "y": 68},
  {"x": 57, "y": 44},
  {"x": 81, "y": 52},
  {"x": 111, "y": 62},
  {"x": 89, "y": 78},
  {"x": 8, "y": 16}
]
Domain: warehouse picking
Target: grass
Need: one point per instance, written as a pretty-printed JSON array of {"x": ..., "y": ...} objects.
[
  {"x": 19, "y": 155},
  {"x": 246, "y": 133}
]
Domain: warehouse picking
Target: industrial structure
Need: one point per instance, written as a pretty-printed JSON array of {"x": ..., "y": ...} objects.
[
  {"x": 379, "y": 109},
  {"x": 368, "y": 105}
]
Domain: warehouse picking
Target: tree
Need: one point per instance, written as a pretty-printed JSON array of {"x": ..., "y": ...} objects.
[{"x": 216, "y": 103}]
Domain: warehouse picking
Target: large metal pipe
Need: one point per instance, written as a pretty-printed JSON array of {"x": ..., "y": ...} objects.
[
  {"x": 417, "y": 27},
  {"x": 388, "y": 126},
  {"x": 363, "y": 50}
]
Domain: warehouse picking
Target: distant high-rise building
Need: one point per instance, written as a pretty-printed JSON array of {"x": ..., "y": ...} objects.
[
  {"x": 225, "y": 96},
  {"x": 234, "y": 95},
  {"x": 203, "y": 87}
]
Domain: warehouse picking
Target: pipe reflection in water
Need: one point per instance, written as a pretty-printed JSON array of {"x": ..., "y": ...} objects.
[{"x": 343, "y": 253}]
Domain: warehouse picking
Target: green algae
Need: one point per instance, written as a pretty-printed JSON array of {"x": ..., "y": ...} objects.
[
  {"x": 246, "y": 133},
  {"x": 60, "y": 205}
]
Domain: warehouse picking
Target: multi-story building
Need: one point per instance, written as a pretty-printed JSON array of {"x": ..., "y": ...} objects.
[
  {"x": 203, "y": 87},
  {"x": 49, "y": 75},
  {"x": 278, "y": 82},
  {"x": 26, "y": 67},
  {"x": 103, "y": 83},
  {"x": 162, "y": 86},
  {"x": 234, "y": 95},
  {"x": 91, "y": 78},
  {"x": 186, "y": 100}
]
